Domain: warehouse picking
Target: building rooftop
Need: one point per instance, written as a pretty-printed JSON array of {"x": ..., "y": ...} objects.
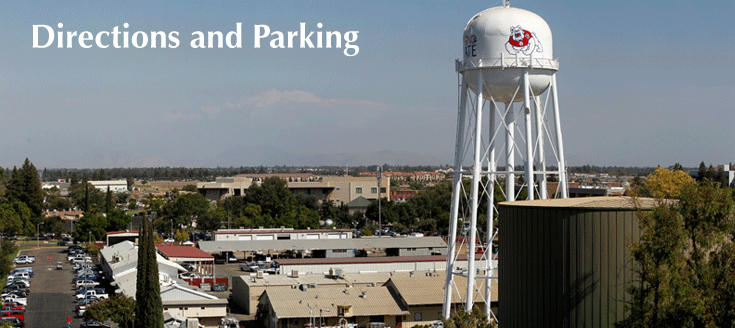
[
  {"x": 318, "y": 279},
  {"x": 183, "y": 251},
  {"x": 429, "y": 289},
  {"x": 320, "y": 244},
  {"x": 367, "y": 301},
  {"x": 607, "y": 203},
  {"x": 362, "y": 260}
]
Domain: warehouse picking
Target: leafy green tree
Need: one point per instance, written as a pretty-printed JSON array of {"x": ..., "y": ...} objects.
[
  {"x": 90, "y": 226},
  {"x": 190, "y": 188},
  {"x": 181, "y": 236},
  {"x": 273, "y": 197},
  {"x": 208, "y": 222},
  {"x": 87, "y": 197},
  {"x": 15, "y": 218},
  {"x": 186, "y": 209},
  {"x": 118, "y": 308},
  {"x": 7, "y": 251},
  {"x": 300, "y": 217},
  {"x": 148, "y": 307},
  {"x": 685, "y": 260},
  {"x": 117, "y": 220}
]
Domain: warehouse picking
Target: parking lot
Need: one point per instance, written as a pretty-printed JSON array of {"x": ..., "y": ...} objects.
[{"x": 51, "y": 300}]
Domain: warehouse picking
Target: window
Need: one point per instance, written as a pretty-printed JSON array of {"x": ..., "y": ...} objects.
[
  {"x": 358, "y": 190},
  {"x": 373, "y": 190},
  {"x": 382, "y": 190},
  {"x": 417, "y": 316}
]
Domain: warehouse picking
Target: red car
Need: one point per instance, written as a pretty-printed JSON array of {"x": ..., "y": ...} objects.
[
  {"x": 20, "y": 314},
  {"x": 13, "y": 306}
]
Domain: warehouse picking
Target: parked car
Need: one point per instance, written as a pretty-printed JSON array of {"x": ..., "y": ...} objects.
[
  {"x": 98, "y": 293},
  {"x": 14, "y": 322},
  {"x": 24, "y": 259},
  {"x": 188, "y": 266},
  {"x": 18, "y": 293},
  {"x": 28, "y": 270},
  {"x": 94, "y": 324},
  {"x": 59, "y": 266},
  {"x": 81, "y": 283},
  {"x": 14, "y": 306},
  {"x": 188, "y": 275},
  {"x": 20, "y": 314}
]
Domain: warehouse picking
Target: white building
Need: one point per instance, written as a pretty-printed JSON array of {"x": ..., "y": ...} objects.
[
  {"x": 113, "y": 185},
  {"x": 280, "y": 234}
]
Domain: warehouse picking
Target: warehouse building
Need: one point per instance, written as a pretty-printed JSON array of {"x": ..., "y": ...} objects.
[
  {"x": 247, "y": 289},
  {"x": 280, "y": 234},
  {"x": 326, "y": 248}
]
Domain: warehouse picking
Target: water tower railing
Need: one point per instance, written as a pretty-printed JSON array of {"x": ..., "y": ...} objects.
[{"x": 509, "y": 62}]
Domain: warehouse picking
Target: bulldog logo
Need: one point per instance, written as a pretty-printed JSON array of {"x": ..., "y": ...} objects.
[{"x": 523, "y": 41}]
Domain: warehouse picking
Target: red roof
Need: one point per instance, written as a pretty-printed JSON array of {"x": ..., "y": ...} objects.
[
  {"x": 183, "y": 251},
  {"x": 119, "y": 232}
]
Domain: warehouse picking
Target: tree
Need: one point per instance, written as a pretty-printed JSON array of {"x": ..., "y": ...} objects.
[
  {"x": 15, "y": 218},
  {"x": 685, "y": 260},
  {"x": 181, "y": 236},
  {"x": 665, "y": 183},
  {"x": 186, "y": 209},
  {"x": 464, "y": 319},
  {"x": 148, "y": 307},
  {"x": 117, "y": 220},
  {"x": 118, "y": 308},
  {"x": 208, "y": 222},
  {"x": 90, "y": 226},
  {"x": 190, "y": 188},
  {"x": 25, "y": 186}
]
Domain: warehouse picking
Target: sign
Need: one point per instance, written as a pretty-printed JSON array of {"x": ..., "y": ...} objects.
[{"x": 220, "y": 287}]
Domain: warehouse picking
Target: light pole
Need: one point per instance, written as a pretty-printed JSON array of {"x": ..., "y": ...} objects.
[
  {"x": 320, "y": 316},
  {"x": 172, "y": 229},
  {"x": 380, "y": 214},
  {"x": 38, "y": 232},
  {"x": 90, "y": 237}
]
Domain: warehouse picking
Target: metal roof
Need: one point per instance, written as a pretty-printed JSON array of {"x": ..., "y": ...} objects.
[
  {"x": 605, "y": 202},
  {"x": 294, "y": 303},
  {"x": 376, "y": 259},
  {"x": 320, "y": 244},
  {"x": 183, "y": 251},
  {"x": 319, "y": 279},
  {"x": 429, "y": 290}
]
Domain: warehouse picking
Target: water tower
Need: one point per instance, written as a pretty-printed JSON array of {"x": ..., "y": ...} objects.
[{"x": 508, "y": 84}]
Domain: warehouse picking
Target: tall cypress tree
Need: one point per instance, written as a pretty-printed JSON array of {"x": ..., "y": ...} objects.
[{"x": 149, "y": 308}]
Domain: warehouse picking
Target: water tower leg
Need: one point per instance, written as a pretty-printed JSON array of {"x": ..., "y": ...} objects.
[
  {"x": 456, "y": 192},
  {"x": 474, "y": 195},
  {"x": 529, "y": 139},
  {"x": 510, "y": 124},
  {"x": 559, "y": 143},
  {"x": 541, "y": 158}
]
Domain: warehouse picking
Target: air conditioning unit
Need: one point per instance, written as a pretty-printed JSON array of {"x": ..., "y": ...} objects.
[
  {"x": 259, "y": 275},
  {"x": 294, "y": 273}
]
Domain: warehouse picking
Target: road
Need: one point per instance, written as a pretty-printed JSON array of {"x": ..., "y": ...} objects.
[{"x": 51, "y": 300}]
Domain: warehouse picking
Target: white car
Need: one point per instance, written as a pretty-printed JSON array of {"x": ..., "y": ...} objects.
[
  {"x": 81, "y": 283},
  {"x": 188, "y": 275},
  {"x": 24, "y": 259},
  {"x": 16, "y": 299}
]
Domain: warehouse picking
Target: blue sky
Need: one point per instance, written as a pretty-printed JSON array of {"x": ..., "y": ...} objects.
[{"x": 641, "y": 84}]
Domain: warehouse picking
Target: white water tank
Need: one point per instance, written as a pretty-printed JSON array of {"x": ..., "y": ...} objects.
[{"x": 502, "y": 42}]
